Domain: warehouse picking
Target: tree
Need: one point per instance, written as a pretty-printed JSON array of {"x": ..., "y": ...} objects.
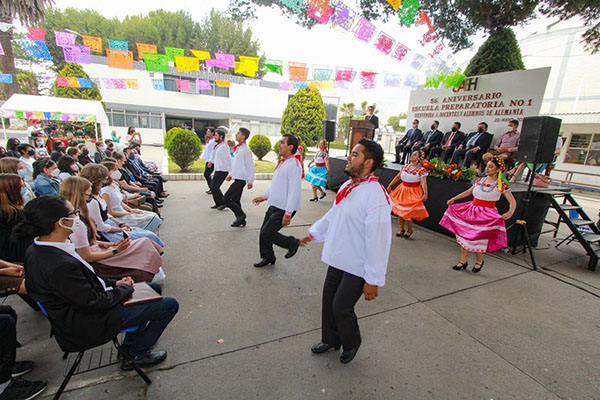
[
  {"x": 499, "y": 53},
  {"x": 304, "y": 116},
  {"x": 394, "y": 122},
  {"x": 75, "y": 70},
  {"x": 28, "y": 12},
  {"x": 365, "y": 106},
  {"x": 459, "y": 20},
  {"x": 28, "y": 82},
  {"x": 343, "y": 126},
  {"x": 260, "y": 146}
]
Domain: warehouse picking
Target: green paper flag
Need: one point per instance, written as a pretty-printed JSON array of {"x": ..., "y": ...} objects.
[
  {"x": 171, "y": 52},
  {"x": 408, "y": 11},
  {"x": 156, "y": 62},
  {"x": 19, "y": 114},
  {"x": 274, "y": 66}
]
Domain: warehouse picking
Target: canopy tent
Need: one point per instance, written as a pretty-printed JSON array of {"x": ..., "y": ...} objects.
[{"x": 25, "y": 106}]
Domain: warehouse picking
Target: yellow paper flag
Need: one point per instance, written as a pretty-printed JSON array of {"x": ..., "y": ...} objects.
[
  {"x": 395, "y": 3},
  {"x": 314, "y": 84},
  {"x": 247, "y": 66},
  {"x": 93, "y": 42},
  {"x": 327, "y": 84},
  {"x": 145, "y": 48},
  {"x": 73, "y": 82},
  {"x": 201, "y": 54},
  {"x": 222, "y": 83},
  {"x": 132, "y": 83},
  {"x": 183, "y": 63}
]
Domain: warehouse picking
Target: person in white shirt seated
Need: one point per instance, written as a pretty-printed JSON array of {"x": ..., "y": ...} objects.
[
  {"x": 283, "y": 197},
  {"x": 357, "y": 236},
  {"x": 27, "y": 158},
  {"x": 67, "y": 166}
]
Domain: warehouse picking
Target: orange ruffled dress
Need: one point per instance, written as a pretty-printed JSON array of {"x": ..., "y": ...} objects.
[{"x": 408, "y": 196}]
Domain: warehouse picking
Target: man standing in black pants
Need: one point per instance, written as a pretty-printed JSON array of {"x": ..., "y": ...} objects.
[
  {"x": 357, "y": 236},
  {"x": 283, "y": 197},
  {"x": 206, "y": 156},
  {"x": 222, "y": 163},
  {"x": 242, "y": 172}
]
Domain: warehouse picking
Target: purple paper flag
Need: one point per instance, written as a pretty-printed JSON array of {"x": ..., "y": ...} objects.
[
  {"x": 77, "y": 54},
  {"x": 283, "y": 85},
  {"x": 203, "y": 84},
  {"x": 64, "y": 38}
]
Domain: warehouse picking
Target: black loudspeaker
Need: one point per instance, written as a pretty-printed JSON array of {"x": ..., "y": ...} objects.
[
  {"x": 538, "y": 139},
  {"x": 329, "y": 130}
]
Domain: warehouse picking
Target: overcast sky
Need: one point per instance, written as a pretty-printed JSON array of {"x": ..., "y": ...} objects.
[{"x": 281, "y": 38}]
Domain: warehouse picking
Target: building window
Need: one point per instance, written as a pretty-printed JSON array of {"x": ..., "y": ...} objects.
[
  {"x": 139, "y": 119},
  {"x": 131, "y": 119},
  {"x": 144, "y": 118},
  {"x": 155, "y": 121},
  {"x": 118, "y": 118},
  {"x": 584, "y": 149}
]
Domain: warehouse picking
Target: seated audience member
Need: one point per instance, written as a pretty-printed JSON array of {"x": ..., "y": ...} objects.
[
  {"x": 110, "y": 228},
  {"x": 114, "y": 137},
  {"x": 67, "y": 166},
  {"x": 86, "y": 310},
  {"x": 148, "y": 166},
  {"x": 11, "y": 165},
  {"x": 113, "y": 197},
  {"x": 2, "y": 152},
  {"x": 128, "y": 183},
  {"x": 58, "y": 150},
  {"x": 40, "y": 147},
  {"x": 449, "y": 142},
  {"x": 431, "y": 139},
  {"x": 110, "y": 147},
  {"x": 507, "y": 145},
  {"x": 75, "y": 153},
  {"x": 45, "y": 175},
  {"x": 11, "y": 213},
  {"x": 27, "y": 158},
  {"x": 100, "y": 153},
  {"x": 84, "y": 155},
  {"x": 473, "y": 146},
  {"x": 133, "y": 164},
  {"x": 140, "y": 259},
  {"x": 12, "y": 386},
  {"x": 12, "y": 145},
  {"x": 405, "y": 144}
]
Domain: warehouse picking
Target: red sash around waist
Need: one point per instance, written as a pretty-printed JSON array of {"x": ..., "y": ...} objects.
[
  {"x": 483, "y": 203},
  {"x": 411, "y": 184},
  {"x": 320, "y": 164}
]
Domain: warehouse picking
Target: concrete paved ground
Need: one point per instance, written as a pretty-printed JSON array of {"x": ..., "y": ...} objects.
[{"x": 433, "y": 333}]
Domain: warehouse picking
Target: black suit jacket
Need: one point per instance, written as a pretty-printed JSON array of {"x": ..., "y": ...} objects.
[
  {"x": 412, "y": 135},
  {"x": 82, "y": 314},
  {"x": 374, "y": 120},
  {"x": 456, "y": 140},
  {"x": 435, "y": 139},
  {"x": 484, "y": 141}
]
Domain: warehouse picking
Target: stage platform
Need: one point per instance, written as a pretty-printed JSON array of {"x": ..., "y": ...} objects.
[{"x": 440, "y": 190}]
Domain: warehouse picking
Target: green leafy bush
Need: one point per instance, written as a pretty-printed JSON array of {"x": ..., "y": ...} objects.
[
  {"x": 499, "y": 53},
  {"x": 276, "y": 149},
  {"x": 170, "y": 135},
  {"x": 184, "y": 148},
  {"x": 260, "y": 145}
]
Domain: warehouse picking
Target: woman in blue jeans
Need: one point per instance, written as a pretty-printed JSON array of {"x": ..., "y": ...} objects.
[{"x": 85, "y": 310}]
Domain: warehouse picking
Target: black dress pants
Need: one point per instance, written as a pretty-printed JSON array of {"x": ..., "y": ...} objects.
[
  {"x": 215, "y": 188},
  {"x": 233, "y": 197},
  {"x": 269, "y": 233},
  {"x": 8, "y": 344},
  {"x": 468, "y": 154},
  {"x": 339, "y": 325},
  {"x": 399, "y": 149},
  {"x": 444, "y": 155},
  {"x": 208, "y": 174}
]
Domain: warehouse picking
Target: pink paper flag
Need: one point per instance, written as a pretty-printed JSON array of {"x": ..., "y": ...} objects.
[
  {"x": 384, "y": 43},
  {"x": 108, "y": 83},
  {"x": 400, "y": 52},
  {"x": 320, "y": 10},
  {"x": 344, "y": 74},
  {"x": 1, "y": 50},
  {"x": 65, "y": 117},
  {"x": 62, "y": 81},
  {"x": 36, "y": 33},
  {"x": 120, "y": 84},
  {"x": 228, "y": 60},
  {"x": 183, "y": 85},
  {"x": 283, "y": 85},
  {"x": 367, "y": 79},
  {"x": 77, "y": 54},
  {"x": 64, "y": 38}
]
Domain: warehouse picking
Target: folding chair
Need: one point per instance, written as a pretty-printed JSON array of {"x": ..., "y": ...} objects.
[{"x": 75, "y": 365}]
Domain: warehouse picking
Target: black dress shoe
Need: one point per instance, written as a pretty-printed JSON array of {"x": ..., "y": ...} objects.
[
  {"x": 149, "y": 359},
  {"x": 215, "y": 207},
  {"x": 21, "y": 368},
  {"x": 208, "y": 192},
  {"x": 221, "y": 207},
  {"x": 292, "y": 252},
  {"x": 395, "y": 162},
  {"x": 240, "y": 221},
  {"x": 322, "y": 347},
  {"x": 264, "y": 262},
  {"x": 348, "y": 355}
]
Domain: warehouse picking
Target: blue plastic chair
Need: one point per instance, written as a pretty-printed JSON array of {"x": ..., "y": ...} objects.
[{"x": 117, "y": 345}]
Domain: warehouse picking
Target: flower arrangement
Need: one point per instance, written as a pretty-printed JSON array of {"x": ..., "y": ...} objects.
[{"x": 440, "y": 170}]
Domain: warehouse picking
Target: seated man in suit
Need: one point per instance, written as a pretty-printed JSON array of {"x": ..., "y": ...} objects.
[
  {"x": 405, "y": 144},
  {"x": 431, "y": 139},
  {"x": 474, "y": 146},
  {"x": 448, "y": 143}
]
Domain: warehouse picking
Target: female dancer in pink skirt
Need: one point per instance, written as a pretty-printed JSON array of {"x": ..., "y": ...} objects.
[{"x": 477, "y": 224}]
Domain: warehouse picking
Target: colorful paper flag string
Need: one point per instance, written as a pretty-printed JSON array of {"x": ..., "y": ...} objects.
[
  {"x": 36, "y": 33},
  {"x": 118, "y": 44},
  {"x": 143, "y": 48},
  {"x": 77, "y": 54},
  {"x": 384, "y": 43},
  {"x": 64, "y": 38},
  {"x": 364, "y": 30},
  {"x": 93, "y": 42},
  {"x": 156, "y": 62},
  {"x": 320, "y": 10},
  {"x": 171, "y": 52},
  {"x": 408, "y": 12}
]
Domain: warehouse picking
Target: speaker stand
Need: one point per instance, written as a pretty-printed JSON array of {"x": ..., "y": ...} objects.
[{"x": 521, "y": 222}]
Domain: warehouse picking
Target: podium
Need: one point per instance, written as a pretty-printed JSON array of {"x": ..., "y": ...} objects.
[{"x": 360, "y": 129}]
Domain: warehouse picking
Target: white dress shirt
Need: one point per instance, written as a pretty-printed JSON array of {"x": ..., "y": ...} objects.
[
  {"x": 208, "y": 149},
  {"x": 286, "y": 186},
  {"x": 69, "y": 248},
  {"x": 358, "y": 233},
  {"x": 242, "y": 166},
  {"x": 221, "y": 157}
]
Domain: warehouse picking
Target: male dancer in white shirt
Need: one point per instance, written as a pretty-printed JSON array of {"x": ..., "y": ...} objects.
[
  {"x": 357, "y": 232},
  {"x": 206, "y": 156},
  {"x": 283, "y": 196},
  {"x": 242, "y": 173},
  {"x": 222, "y": 163}
]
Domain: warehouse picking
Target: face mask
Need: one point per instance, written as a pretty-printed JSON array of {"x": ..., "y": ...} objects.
[
  {"x": 31, "y": 152},
  {"x": 39, "y": 144},
  {"x": 85, "y": 152},
  {"x": 74, "y": 168},
  {"x": 433, "y": 127},
  {"x": 510, "y": 128},
  {"x": 101, "y": 148},
  {"x": 61, "y": 149},
  {"x": 454, "y": 129},
  {"x": 23, "y": 191},
  {"x": 22, "y": 173},
  {"x": 480, "y": 130},
  {"x": 115, "y": 175},
  {"x": 55, "y": 172},
  {"x": 75, "y": 226},
  {"x": 131, "y": 156}
]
